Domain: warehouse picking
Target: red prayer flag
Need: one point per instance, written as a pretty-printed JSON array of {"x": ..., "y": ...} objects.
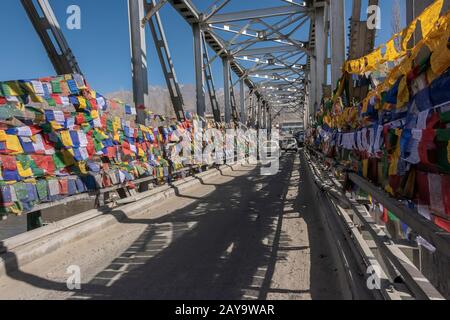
[
  {"x": 57, "y": 98},
  {"x": 64, "y": 186},
  {"x": 8, "y": 162},
  {"x": 126, "y": 149}
]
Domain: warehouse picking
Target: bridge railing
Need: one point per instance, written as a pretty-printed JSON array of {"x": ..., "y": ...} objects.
[{"x": 424, "y": 275}]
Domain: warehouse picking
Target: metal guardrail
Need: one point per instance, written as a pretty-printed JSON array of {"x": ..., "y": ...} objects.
[
  {"x": 100, "y": 196},
  {"x": 438, "y": 237},
  {"x": 390, "y": 253}
]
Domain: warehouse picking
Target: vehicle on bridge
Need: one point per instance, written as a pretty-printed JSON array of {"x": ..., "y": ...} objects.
[{"x": 289, "y": 144}]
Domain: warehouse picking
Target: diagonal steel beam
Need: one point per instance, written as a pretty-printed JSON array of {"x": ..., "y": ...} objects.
[
  {"x": 165, "y": 58},
  {"x": 47, "y": 27},
  {"x": 151, "y": 12},
  {"x": 217, "y": 9}
]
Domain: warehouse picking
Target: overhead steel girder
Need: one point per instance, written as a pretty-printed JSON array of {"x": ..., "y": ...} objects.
[
  {"x": 266, "y": 62},
  {"x": 298, "y": 92},
  {"x": 267, "y": 50},
  {"x": 283, "y": 83},
  {"x": 283, "y": 94},
  {"x": 272, "y": 71},
  {"x": 256, "y": 14},
  {"x": 189, "y": 12},
  {"x": 275, "y": 78},
  {"x": 247, "y": 34}
]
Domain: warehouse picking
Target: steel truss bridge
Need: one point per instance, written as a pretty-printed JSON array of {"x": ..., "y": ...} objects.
[
  {"x": 280, "y": 56},
  {"x": 278, "y": 70}
]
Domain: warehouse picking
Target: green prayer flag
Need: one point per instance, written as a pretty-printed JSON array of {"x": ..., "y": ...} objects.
[
  {"x": 56, "y": 86},
  {"x": 58, "y": 159},
  {"x": 51, "y": 102},
  {"x": 37, "y": 172},
  {"x": 21, "y": 191},
  {"x": 25, "y": 161},
  {"x": 443, "y": 135},
  {"x": 445, "y": 117},
  {"x": 42, "y": 189},
  {"x": 393, "y": 217}
]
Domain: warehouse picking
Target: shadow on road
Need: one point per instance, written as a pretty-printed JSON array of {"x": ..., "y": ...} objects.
[{"x": 223, "y": 246}]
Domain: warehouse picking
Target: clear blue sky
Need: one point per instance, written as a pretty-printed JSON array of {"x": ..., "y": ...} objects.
[{"x": 102, "y": 44}]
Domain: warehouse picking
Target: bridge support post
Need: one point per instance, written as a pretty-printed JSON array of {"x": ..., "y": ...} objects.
[
  {"x": 34, "y": 220},
  {"x": 242, "y": 102},
  {"x": 226, "y": 86},
  {"x": 264, "y": 116},
  {"x": 259, "y": 116},
  {"x": 337, "y": 34},
  {"x": 199, "y": 72},
  {"x": 320, "y": 48},
  {"x": 136, "y": 12},
  {"x": 253, "y": 110}
]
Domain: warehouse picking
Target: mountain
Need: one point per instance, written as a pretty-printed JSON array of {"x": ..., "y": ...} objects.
[{"x": 159, "y": 101}]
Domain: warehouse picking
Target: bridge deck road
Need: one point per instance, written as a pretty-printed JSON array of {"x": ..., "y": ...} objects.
[{"x": 239, "y": 235}]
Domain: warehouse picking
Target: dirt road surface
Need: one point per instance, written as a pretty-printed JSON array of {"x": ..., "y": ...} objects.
[{"x": 240, "y": 235}]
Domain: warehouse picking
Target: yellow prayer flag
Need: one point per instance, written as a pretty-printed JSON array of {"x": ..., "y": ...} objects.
[
  {"x": 373, "y": 59},
  {"x": 13, "y": 144},
  {"x": 37, "y": 99},
  {"x": 430, "y": 16},
  {"x": 391, "y": 51},
  {"x": 68, "y": 156},
  {"x": 440, "y": 60},
  {"x": 365, "y": 104},
  {"x": 116, "y": 124},
  {"x": 82, "y": 167},
  {"x": 3, "y": 135},
  {"x": 94, "y": 114},
  {"x": 389, "y": 190},
  {"x": 56, "y": 126},
  {"x": 365, "y": 163},
  {"x": 14, "y": 88},
  {"x": 448, "y": 152},
  {"x": 403, "y": 93},
  {"x": 407, "y": 34},
  {"x": 66, "y": 139},
  {"x": 28, "y": 87},
  {"x": 406, "y": 65},
  {"x": 22, "y": 172},
  {"x": 82, "y": 102}
]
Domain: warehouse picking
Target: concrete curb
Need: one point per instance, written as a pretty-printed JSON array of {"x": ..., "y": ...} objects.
[{"x": 23, "y": 249}]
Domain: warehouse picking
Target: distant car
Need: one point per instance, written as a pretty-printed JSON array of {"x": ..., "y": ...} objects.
[
  {"x": 300, "y": 137},
  {"x": 289, "y": 144}
]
